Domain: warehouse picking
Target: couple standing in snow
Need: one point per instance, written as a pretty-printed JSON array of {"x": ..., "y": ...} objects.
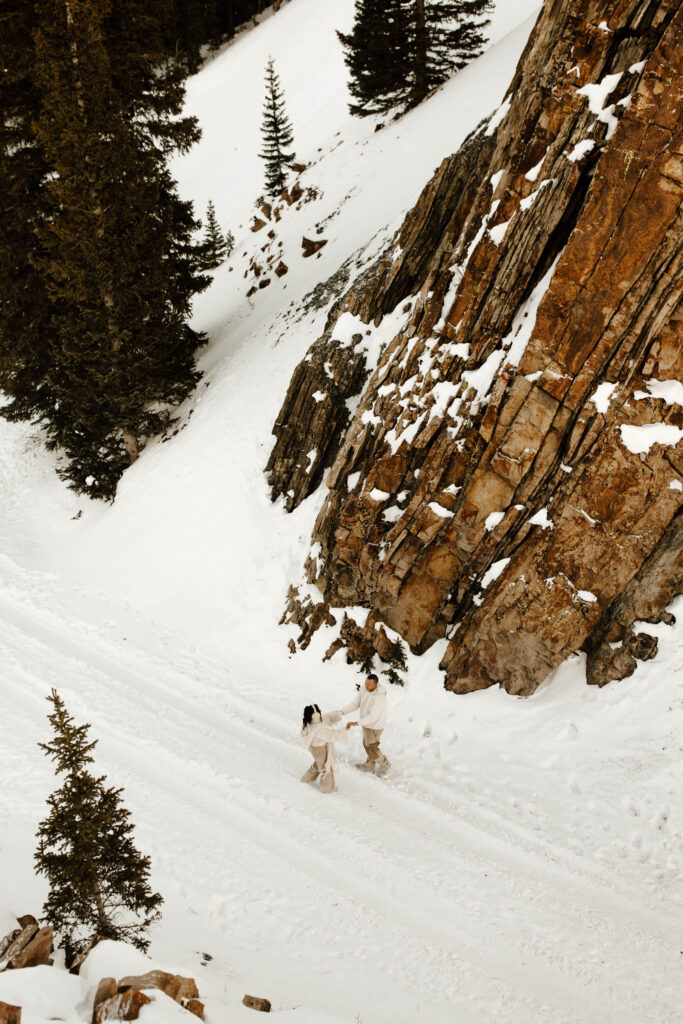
[{"x": 319, "y": 734}]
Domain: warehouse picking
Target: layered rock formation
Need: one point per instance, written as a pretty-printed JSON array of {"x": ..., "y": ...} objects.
[
  {"x": 124, "y": 999},
  {"x": 29, "y": 945},
  {"x": 511, "y": 476}
]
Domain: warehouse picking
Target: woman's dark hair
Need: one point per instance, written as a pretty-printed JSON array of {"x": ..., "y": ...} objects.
[
  {"x": 373, "y": 676},
  {"x": 309, "y": 711}
]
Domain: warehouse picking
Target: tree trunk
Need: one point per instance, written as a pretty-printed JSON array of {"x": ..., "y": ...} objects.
[
  {"x": 131, "y": 444},
  {"x": 420, "y": 54},
  {"x": 102, "y": 910},
  {"x": 73, "y": 46}
]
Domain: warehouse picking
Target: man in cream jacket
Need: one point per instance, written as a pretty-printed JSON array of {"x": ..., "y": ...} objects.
[{"x": 372, "y": 702}]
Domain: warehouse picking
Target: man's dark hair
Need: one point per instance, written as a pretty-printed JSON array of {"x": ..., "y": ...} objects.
[{"x": 373, "y": 676}]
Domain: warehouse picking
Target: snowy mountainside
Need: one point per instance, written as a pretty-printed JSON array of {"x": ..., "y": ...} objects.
[{"x": 522, "y": 862}]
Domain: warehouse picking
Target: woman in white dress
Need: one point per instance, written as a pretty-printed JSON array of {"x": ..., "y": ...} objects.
[{"x": 318, "y": 734}]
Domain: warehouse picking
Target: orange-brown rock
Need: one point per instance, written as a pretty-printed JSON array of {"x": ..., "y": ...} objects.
[
  {"x": 107, "y": 989},
  {"x": 495, "y": 484},
  {"x": 36, "y": 951},
  {"x": 15, "y": 942},
  {"x": 27, "y": 919},
  {"x": 195, "y": 1006},
  {"x": 257, "y": 1003},
  {"x": 10, "y": 1014},
  {"x": 173, "y": 985},
  {"x": 310, "y": 246},
  {"x": 26, "y": 946},
  {"x": 123, "y": 1006},
  {"x": 613, "y": 647}
]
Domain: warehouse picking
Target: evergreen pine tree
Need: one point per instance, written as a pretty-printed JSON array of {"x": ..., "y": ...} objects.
[
  {"x": 448, "y": 34},
  {"x": 25, "y": 307},
  {"x": 99, "y": 882},
  {"x": 276, "y": 133},
  {"x": 400, "y": 50},
  {"x": 215, "y": 246},
  {"x": 377, "y": 53},
  {"x": 118, "y": 259}
]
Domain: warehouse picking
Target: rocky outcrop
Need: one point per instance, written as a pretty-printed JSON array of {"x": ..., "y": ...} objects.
[
  {"x": 317, "y": 409},
  {"x": 511, "y": 477},
  {"x": 29, "y": 945},
  {"x": 122, "y": 1006},
  {"x": 124, "y": 999},
  {"x": 106, "y": 990},
  {"x": 173, "y": 985},
  {"x": 614, "y": 647}
]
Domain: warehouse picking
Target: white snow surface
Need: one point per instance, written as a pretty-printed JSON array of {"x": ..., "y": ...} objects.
[
  {"x": 494, "y": 571},
  {"x": 639, "y": 440},
  {"x": 670, "y": 391},
  {"x": 493, "y": 519},
  {"x": 542, "y": 519},
  {"x": 602, "y": 396},
  {"x": 521, "y": 862}
]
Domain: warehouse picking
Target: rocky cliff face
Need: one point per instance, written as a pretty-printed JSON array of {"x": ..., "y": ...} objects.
[{"x": 506, "y": 470}]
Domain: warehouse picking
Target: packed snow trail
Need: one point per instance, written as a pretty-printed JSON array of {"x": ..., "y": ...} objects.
[
  {"x": 522, "y": 861},
  {"x": 426, "y": 895}
]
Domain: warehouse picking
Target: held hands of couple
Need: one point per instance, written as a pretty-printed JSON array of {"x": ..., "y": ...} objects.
[{"x": 349, "y": 725}]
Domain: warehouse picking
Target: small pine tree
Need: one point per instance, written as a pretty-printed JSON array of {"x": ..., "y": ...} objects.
[
  {"x": 99, "y": 882},
  {"x": 229, "y": 243},
  {"x": 277, "y": 135},
  {"x": 214, "y": 246}
]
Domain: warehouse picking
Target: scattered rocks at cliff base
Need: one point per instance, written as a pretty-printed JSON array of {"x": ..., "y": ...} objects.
[{"x": 310, "y": 246}]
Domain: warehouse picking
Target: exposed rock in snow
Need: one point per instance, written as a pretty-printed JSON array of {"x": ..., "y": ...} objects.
[
  {"x": 27, "y": 946},
  {"x": 10, "y": 1014},
  {"x": 257, "y": 1003}
]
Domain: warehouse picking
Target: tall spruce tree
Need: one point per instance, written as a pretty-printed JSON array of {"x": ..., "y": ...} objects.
[
  {"x": 400, "y": 50},
  {"x": 25, "y": 308},
  {"x": 99, "y": 882},
  {"x": 276, "y": 134},
  {"x": 112, "y": 242}
]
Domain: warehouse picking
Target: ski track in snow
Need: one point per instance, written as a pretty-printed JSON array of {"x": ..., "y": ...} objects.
[
  {"x": 522, "y": 860},
  {"x": 432, "y": 870}
]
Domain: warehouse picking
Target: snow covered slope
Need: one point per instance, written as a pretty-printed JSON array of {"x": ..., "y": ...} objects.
[{"x": 522, "y": 860}]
